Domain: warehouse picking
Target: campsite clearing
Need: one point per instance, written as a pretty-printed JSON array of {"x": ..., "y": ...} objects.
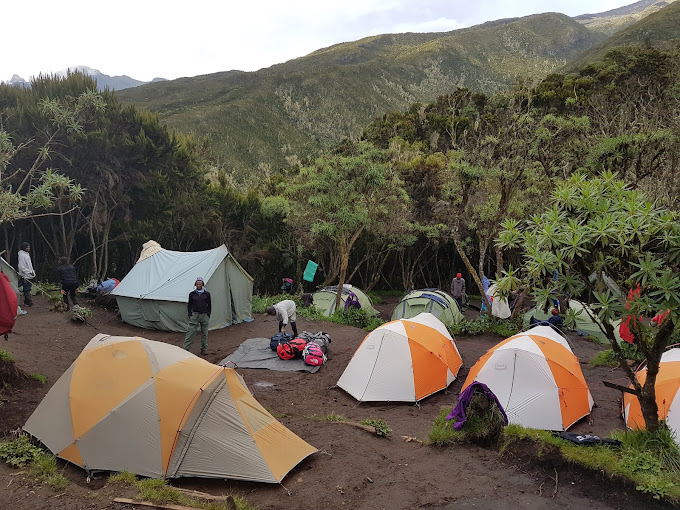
[{"x": 353, "y": 469}]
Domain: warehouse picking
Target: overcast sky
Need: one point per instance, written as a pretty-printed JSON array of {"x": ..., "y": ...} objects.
[{"x": 145, "y": 39}]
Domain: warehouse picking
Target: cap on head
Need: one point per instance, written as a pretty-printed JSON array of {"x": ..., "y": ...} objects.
[
  {"x": 555, "y": 311},
  {"x": 199, "y": 279},
  {"x": 459, "y": 275}
]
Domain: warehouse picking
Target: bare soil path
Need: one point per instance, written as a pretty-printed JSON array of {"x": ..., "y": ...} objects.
[{"x": 354, "y": 469}]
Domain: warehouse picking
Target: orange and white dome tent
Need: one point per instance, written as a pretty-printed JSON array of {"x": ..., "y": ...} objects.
[
  {"x": 157, "y": 410},
  {"x": 402, "y": 361},
  {"x": 536, "y": 378},
  {"x": 667, "y": 388}
]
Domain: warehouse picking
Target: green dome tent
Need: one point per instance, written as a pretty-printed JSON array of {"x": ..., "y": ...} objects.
[
  {"x": 324, "y": 299},
  {"x": 438, "y": 303},
  {"x": 584, "y": 324}
]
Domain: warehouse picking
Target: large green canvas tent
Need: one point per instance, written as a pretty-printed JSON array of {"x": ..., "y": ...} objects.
[
  {"x": 154, "y": 294},
  {"x": 584, "y": 324},
  {"x": 324, "y": 299},
  {"x": 438, "y": 303}
]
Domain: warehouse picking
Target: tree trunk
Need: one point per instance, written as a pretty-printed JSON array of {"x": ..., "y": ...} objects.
[
  {"x": 483, "y": 244},
  {"x": 499, "y": 262},
  {"x": 472, "y": 272}
]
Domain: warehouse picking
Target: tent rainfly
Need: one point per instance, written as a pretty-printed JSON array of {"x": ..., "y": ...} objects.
[
  {"x": 402, "y": 361},
  {"x": 438, "y": 303},
  {"x": 584, "y": 323},
  {"x": 324, "y": 299},
  {"x": 667, "y": 388},
  {"x": 155, "y": 292},
  {"x": 156, "y": 410},
  {"x": 536, "y": 378}
]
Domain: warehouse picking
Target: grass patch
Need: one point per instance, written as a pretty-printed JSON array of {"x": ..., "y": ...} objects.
[
  {"x": 6, "y": 357},
  {"x": 160, "y": 492},
  {"x": 20, "y": 452},
  {"x": 38, "y": 377},
  {"x": 329, "y": 417},
  {"x": 650, "y": 460}
]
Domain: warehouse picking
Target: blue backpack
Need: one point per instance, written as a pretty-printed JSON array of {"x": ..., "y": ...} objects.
[{"x": 279, "y": 338}]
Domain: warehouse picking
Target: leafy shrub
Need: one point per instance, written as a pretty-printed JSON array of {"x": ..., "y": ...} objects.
[
  {"x": 81, "y": 314},
  {"x": 381, "y": 427},
  {"x": 5, "y": 357},
  {"x": 607, "y": 358},
  {"x": 502, "y": 327},
  {"x": 483, "y": 425},
  {"x": 19, "y": 452}
]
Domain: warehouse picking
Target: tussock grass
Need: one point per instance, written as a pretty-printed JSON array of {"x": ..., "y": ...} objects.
[
  {"x": 160, "y": 492},
  {"x": 38, "y": 377}
]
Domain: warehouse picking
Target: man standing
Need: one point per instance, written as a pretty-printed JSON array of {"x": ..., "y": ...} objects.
[
  {"x": 199, "y": 308},
  {"x": 26, "y": 272},
  {"x": 458, "y": 290},
  {"x": 285, "y": 312}
]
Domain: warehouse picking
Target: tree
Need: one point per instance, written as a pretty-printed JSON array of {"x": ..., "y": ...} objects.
[
  {"x": 341, "y": 197},
  {"x": 600, "y": 225}
]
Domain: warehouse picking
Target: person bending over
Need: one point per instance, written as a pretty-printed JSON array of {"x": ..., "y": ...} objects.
[{"x": 285, "y": 313}]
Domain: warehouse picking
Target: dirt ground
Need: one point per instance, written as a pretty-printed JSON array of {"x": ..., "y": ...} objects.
[{"x": 353, "y": 469}]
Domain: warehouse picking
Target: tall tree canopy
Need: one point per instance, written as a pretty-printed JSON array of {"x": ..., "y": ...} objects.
[{"x": 602, "y": 226}]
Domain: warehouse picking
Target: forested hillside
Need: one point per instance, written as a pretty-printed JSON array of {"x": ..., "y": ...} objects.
[
  {"x": 422, "y": 195},
  {"x": 258, "y": 122}
]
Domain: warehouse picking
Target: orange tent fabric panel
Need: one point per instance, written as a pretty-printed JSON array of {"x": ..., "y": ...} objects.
[
  {"x": 429, "y": 370},
  {"x": 72, "y": 454},
  {"x": 176, "y": 396},
  {"x": 102, "y": 378}
]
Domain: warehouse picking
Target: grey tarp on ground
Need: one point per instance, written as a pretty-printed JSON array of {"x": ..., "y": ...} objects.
[{"x": 256, "y": 353}]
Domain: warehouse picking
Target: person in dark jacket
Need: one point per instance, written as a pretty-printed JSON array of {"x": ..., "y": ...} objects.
[
  {"x": 199, "y": 308},
  {"x": 555, "y": 320},
  {"x": 66, "y": 275},
  {"x": 458, "y": 290}
]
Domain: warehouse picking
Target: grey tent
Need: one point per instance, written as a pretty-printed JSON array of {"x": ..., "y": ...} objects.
[{"x": 155, "y": 292}]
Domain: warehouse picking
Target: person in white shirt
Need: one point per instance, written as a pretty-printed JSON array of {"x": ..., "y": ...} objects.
[
  {"x": 285, "y": 313},
  {"x": 26, "y": 272}
]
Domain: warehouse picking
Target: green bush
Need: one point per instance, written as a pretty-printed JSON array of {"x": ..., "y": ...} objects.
[
  {"x": 381, "y": 427},
  {"x": 607, "y": 358},
  {"x": 19, "y": 452},
  {"x": 501, "y": 327}
]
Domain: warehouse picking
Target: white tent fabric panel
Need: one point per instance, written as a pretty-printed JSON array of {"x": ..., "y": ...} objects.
[
  {"x": 379, "y": 370},
  {"x": 137, "y": 441},
  {"x": 525, "y": 387},
  {"x": 390, "y": 379},
  {"x": 168, "y": 274}
]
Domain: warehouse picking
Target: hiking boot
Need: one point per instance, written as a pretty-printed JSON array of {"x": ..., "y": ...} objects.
[{"x": 204, "y": 351}]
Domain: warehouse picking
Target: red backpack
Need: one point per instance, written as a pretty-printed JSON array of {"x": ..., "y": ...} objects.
[
  {"x": 299, "y": 345},
  {"x": 286, "y": 351}
]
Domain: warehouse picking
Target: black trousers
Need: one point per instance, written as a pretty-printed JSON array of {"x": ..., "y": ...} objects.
[
  {"x": 292, "y": 325},
  {"x": 69, "y": 289}
]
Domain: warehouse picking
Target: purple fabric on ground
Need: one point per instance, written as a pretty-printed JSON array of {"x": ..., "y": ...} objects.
[{"x": 458, "y": 412}]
